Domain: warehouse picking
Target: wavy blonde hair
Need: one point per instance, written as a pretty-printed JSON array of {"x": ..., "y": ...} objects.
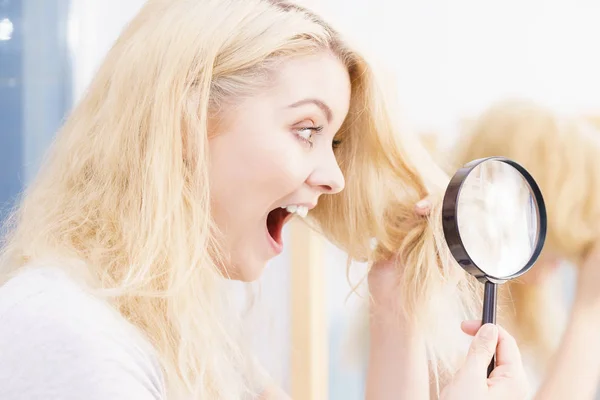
[
  {"x": 563, "y": 155},
  {"x": 126, "y": 190}
]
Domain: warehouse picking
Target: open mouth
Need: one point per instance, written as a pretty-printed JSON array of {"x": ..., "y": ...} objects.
[{"x": 275, "y": 222}]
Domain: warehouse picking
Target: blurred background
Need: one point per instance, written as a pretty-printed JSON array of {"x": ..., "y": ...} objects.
[{"x": 450, "y": 60}]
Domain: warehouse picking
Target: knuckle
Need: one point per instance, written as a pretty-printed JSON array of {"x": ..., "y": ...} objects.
[{"x": 481, "y": 350}]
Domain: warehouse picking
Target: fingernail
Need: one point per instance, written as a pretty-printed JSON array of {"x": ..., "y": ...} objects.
[
  {"x": 468, "y": 323},
  {"x": 422, "y": 204},
  {"x": 488, "y": 331}
]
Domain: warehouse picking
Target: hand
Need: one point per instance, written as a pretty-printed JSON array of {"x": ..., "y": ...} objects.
[
  {"x": 507, "y": 381},
  {"x": 423, "y": 206},
  {"x": 383, "y": 274}
]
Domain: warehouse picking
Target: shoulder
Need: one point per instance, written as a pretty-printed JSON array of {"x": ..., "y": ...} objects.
[{"x": 59, "y": 341}]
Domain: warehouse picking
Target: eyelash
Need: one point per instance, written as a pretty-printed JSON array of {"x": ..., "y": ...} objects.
[{"x": 314, "y": 129}]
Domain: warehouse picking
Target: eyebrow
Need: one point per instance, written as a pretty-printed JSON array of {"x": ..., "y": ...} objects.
[{"x": 324, "y": 107}]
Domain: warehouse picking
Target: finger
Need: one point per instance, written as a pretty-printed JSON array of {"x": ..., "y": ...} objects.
[
  {"x": 482, "y": 350},
  {"x": 507, "y": 352},
  {"x": 509, "y": 367},
  {"x": 470, "y": 327},
  {"x": 423, "y": 207}
]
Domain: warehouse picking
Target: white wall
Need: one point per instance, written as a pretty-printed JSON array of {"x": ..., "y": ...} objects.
[
  {"x": 453, "y": 57},
  {"x": 94, "y": 25}
]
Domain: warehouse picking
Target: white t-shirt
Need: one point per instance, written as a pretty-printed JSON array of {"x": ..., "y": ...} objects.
[{"x": 59, "y": 342}]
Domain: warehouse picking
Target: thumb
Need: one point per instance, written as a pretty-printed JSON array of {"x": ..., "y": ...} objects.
[{"x": 482, "y": 350}]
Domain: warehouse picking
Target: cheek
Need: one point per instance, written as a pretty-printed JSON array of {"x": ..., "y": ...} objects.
[
  {"x": 257, "y": 174},
  {"x": 279, "y": 174}
]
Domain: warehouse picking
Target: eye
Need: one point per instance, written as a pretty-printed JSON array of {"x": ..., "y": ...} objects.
[{"x": 306, "y": 133}]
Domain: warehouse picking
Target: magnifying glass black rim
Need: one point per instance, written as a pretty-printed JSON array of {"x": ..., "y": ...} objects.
[{"x": 450, "y": 225}]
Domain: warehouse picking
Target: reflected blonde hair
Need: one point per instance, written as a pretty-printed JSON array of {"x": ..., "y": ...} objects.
[
  {"x": 563, "y": 155},
  {"x": 126, "y": 186}
]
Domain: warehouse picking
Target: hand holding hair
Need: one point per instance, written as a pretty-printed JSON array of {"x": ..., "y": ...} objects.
[{"x": 423, "y": 206}]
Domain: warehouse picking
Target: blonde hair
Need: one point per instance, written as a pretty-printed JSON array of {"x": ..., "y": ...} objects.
[
  {"x": 563, "y": 155},
  {"x": 125, "y": 188}
]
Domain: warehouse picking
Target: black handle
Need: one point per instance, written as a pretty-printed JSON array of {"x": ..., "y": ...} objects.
[{"x": 489, "y": 312}]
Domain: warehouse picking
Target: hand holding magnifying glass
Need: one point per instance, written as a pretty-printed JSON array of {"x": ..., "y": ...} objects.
[{"x": 508, "y": 380}]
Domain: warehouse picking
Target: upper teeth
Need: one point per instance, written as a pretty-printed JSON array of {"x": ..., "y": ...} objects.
[{"x": 294, "y": 209}]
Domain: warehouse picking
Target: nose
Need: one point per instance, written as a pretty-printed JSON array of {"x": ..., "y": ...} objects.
[{"x": 327, "y": 177}]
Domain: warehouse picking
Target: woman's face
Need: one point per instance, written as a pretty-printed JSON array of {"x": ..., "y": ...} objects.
[{"x": 275, "y": 149}]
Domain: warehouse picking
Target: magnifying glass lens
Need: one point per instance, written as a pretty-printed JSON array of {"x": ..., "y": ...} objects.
[{"x": 497, "y": 218}]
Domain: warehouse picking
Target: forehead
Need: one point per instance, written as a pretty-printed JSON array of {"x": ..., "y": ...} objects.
[{"x": 320, "y": 76}]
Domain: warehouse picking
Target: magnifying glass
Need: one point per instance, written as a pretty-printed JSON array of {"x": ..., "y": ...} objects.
[{"x": 494, "y": 222}]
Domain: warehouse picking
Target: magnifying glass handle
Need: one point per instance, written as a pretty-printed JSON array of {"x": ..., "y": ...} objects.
[{"x": 489, "y": 313}]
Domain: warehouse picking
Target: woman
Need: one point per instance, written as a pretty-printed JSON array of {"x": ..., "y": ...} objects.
[
  {"x": 208, "y": 126},
  {"x": 563, "y": 154}
]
